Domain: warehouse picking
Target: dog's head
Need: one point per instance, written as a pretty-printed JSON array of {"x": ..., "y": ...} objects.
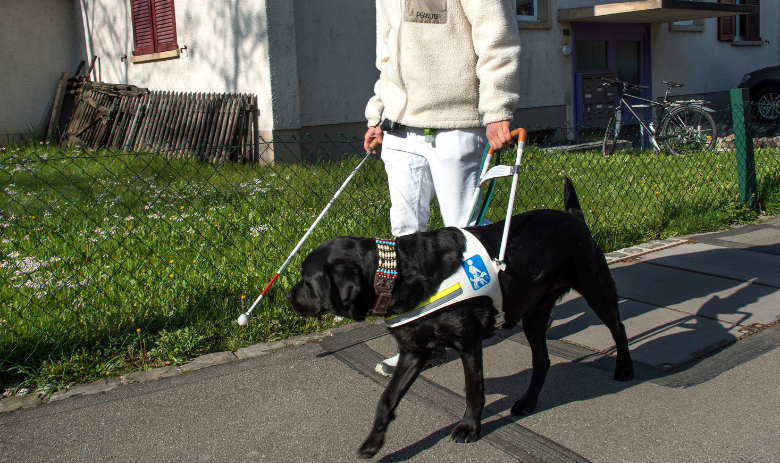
[{"x": 333, "y": 279}]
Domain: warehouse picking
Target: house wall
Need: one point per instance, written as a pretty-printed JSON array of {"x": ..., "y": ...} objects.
[
  {"x": 706, "y": 66},
  {"x": 227, "y": 51},
  {"x": 318, "y": 57},
  {"x": 336, "y": 42},
  {"x": 39, "y": 40}
]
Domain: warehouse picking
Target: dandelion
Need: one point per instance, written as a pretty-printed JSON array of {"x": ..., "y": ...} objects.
[
  {"x": 171, "y": 275},
  {"x": 170, "y": 262}
]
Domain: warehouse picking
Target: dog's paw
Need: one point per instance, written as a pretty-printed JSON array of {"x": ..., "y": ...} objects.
[
  {"x": 523, "y": 407},
  {"x": 464, "y": 433},
  {"x": 371, "y": 446},
  {"x": 624, "y": 372}
]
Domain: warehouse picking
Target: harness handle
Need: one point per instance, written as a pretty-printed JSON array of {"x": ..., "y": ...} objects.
[{"x": 519, "y": 133}]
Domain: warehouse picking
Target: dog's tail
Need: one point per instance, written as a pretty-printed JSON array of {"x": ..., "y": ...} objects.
[{"x": 570, "y": 202}]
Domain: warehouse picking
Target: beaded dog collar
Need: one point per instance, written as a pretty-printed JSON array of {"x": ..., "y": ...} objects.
[{"x": 384, "y": 279}]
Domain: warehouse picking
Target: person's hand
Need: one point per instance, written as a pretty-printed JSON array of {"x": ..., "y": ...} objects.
[
  {"x": 498, "y": 135},
  {"x": 373, "y": 132}
]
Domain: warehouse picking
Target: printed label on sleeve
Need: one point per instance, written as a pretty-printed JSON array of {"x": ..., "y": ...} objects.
[{"x": 425, "y": 11}]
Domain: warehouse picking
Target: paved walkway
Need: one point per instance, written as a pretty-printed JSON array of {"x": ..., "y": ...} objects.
[{"x": 701, "y": 316}]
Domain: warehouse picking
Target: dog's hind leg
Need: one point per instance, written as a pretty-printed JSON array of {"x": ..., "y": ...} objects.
[
  {"x": 598, "y": 289},
  {"x": 410, "y": 364},
  {"x": 471, "y": 425},
  {"x": 535, "y": 326}
]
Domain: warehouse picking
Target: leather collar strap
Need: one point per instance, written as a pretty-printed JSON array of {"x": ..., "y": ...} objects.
[{"x": 384, "y": 279}]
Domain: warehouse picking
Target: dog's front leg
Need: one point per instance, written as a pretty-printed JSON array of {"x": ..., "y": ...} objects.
[
  {"x": 470, "y": 426},
  {"x": 410, "y": 364}
]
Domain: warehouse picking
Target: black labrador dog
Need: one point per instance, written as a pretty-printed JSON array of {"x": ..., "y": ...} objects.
[{"x": 548, "y": 253}]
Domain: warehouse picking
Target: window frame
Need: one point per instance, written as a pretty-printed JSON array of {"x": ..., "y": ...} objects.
[
  {"x": 541, "y": 18},
  {"x": 528, "y": 18},
  {"x": 160, "y": 28}
]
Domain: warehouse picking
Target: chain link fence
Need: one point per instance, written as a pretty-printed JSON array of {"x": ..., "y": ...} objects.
[{"x": 120, "y": 257}]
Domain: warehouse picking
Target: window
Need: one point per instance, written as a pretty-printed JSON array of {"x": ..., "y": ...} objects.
[
  {"x": 526, "y": 10},
  {"x": 742, "y": 28},
  {"x": 532, "y": 14},
  {"x": 154, "y": 26}
]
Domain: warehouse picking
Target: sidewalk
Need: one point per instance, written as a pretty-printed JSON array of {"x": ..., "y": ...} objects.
[{"x": 702, "y": 318}]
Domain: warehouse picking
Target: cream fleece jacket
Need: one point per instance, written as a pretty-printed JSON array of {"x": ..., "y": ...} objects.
[{"x": 445, "y": 64}]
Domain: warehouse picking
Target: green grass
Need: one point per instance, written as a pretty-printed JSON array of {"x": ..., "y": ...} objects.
[{"x": 112, "y": 262}]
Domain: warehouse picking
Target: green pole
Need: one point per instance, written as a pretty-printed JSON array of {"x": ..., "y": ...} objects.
[{"x": 743, "y": 140}]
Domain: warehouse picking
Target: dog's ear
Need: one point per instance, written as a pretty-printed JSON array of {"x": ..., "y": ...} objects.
[{"x": 344, "y": 287}]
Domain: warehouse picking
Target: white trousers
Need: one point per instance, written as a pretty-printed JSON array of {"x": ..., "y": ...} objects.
[{"x": 416, "y": 171}]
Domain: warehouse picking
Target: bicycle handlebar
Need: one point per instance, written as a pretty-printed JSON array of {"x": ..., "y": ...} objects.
[{"x": 616, "y": 82}]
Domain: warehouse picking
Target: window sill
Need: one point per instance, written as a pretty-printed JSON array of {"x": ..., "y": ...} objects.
[
  {"x": 747, "y": 43},
  {"x": 162, "y": 56},
  {"x": 534, "y": 25}
]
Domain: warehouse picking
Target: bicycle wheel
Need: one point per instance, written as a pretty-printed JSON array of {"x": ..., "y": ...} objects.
[
  {"x": 612, "y": 134},
  {"x": 687, "y": 128}
]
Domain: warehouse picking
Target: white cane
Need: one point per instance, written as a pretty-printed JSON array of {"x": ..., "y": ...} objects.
[{"x": 243, "y": 319}]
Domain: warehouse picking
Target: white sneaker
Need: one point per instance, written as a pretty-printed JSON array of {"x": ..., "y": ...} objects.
[{"x": 387, "y": 366}]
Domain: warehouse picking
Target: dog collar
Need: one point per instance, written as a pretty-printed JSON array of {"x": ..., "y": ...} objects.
[
  {"x": 384, "y": 279},
  {"x": 477, "y": 276}
]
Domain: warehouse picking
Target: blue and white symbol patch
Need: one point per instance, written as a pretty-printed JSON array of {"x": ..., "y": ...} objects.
[{"x": 476, "y": 271}]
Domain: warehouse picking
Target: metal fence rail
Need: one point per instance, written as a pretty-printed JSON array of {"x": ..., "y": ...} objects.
[{"x": 99, "y": 249}]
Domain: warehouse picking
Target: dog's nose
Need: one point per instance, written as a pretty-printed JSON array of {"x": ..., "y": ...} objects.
[{"x": 288, "y": 295}]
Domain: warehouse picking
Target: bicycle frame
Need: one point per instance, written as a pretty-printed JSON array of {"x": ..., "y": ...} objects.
[{"x": 648, "y": 129}]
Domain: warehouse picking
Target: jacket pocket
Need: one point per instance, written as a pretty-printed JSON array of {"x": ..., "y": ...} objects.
[{"x": 425, "y": 11}]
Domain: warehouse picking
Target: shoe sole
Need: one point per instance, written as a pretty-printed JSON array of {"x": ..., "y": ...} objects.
[{"x": 429, "y": 363}]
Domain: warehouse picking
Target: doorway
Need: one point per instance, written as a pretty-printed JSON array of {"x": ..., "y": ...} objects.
[{"x": 607, "y": 51}]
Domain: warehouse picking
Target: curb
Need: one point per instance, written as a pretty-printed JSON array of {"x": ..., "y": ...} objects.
[
  {"x": 12, "y": 404},
  {"x": 626, "y": 253}
]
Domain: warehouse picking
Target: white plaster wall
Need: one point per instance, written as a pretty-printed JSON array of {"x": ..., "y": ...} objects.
[
  {"x": 545, "y": 74},
  {"x": 336, "y": 53},
  {"x": 227, "y": 49},
  {"x": 38, "y": 42}
]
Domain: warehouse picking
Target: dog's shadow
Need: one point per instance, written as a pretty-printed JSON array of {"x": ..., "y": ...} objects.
[{"x": 558, "y": 390}]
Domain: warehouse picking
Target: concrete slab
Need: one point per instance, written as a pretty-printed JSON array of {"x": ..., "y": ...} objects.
[
  {"x": 763, "y": 238},
  {"x": 720, "y": 261},
  {"x": 710, "y": 296},
  {"x": 768, "y": 236},
  {"x": 209, "y": 360},
  {"x": 149, "y": 375},
  {"x": 659, "y": 337}
]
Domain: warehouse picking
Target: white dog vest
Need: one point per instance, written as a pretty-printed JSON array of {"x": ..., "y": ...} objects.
[{"x": 477, "y": 276}]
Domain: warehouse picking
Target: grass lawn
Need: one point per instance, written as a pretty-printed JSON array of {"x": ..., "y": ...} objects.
[{"x": 112, "y": 262}]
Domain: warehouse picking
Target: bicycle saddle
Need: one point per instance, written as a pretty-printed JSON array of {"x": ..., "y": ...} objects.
[{"x": 672, "y": 84}]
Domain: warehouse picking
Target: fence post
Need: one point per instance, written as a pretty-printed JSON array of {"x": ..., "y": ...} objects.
[{"x": 743, "y": 144}]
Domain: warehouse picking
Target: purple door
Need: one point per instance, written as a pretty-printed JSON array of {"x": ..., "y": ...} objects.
[{"x": 607, "y": 50}]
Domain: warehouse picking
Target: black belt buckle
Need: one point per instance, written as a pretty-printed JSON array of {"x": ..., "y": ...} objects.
[{"x": 390, "y": 126}]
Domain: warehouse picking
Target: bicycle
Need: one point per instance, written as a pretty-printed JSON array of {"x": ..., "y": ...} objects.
[{"x": 680, "y": 125}]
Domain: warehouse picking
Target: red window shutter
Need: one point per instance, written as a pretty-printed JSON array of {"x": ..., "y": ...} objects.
[
  {"x": 727, "y": 25},
  {"x": 165, "y": 26},
  {"x": 143, "y": 27},
  {"x": 752, "y": 30},
  {"x": 154, "y": 26}
]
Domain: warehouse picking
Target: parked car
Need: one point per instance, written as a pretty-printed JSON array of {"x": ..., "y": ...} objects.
[{"x": 764, "y": 87}]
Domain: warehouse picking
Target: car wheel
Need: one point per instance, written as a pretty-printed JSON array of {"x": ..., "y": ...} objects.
[{"x": 768, "y": 101}]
